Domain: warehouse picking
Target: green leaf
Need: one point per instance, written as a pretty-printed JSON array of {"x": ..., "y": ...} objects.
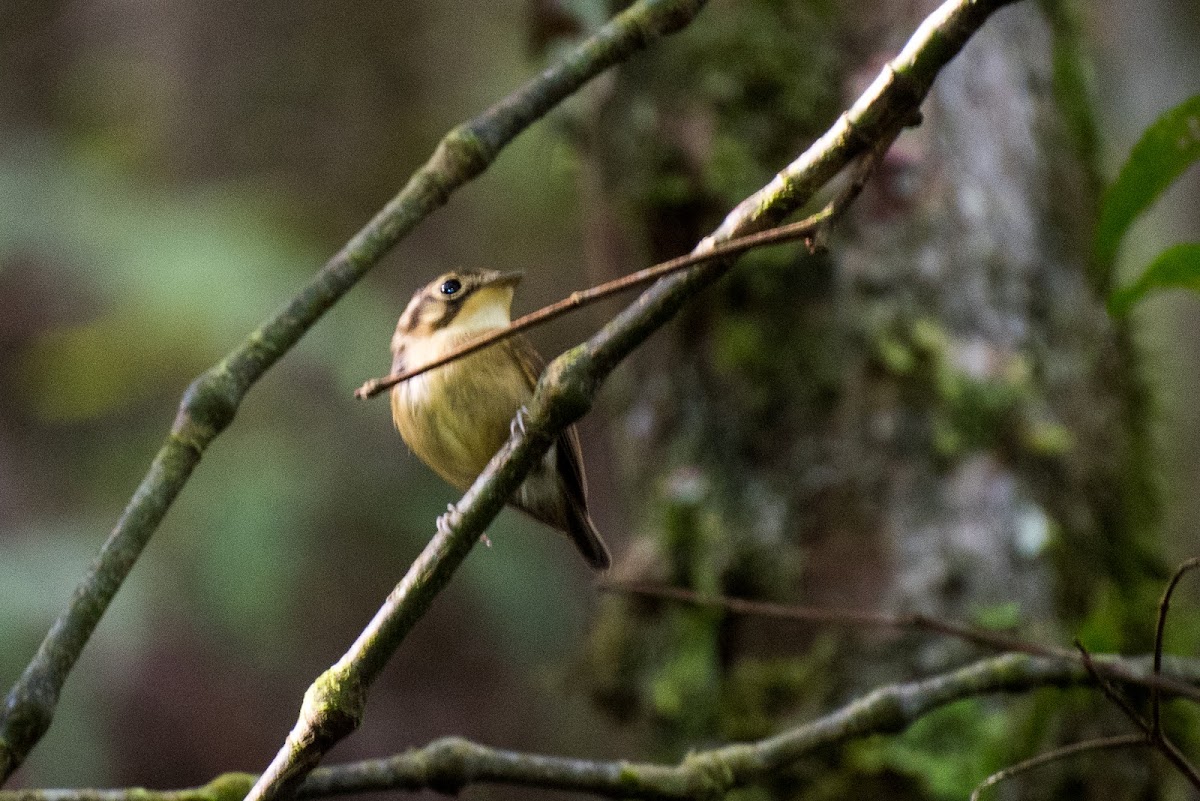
[
  {"x": 1165, "y": 150},
  {"x": 1177, "y": 267}
]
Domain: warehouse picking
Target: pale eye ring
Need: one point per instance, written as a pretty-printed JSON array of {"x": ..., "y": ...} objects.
[{"x": 450, "y": 286}]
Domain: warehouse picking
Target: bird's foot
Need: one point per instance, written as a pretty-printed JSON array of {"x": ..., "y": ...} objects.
[
  {"x": 444, "y": 520},
  {"x": 518, "y": 422}
]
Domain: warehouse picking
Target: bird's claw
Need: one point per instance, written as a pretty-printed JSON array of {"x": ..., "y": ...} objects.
[
  {"x": 444, "y": 522},
  {"x": 518, "y": 422}
]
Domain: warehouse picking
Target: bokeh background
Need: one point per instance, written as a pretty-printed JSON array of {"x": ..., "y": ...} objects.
[{"x": 169, "y": 173}]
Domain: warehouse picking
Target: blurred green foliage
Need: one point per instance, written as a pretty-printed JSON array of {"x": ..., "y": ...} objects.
[
  {"x": 948, "y": 752},
  {"x": 172, "y": 278},
  {"x": 1160, "y": 156},
  {"x": 1177, "y": 267},
  {"x": 1165, "y": 150}
]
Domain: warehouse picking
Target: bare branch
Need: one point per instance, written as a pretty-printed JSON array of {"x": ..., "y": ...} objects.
[
  {"x": 209, "y": 404},
  {"x": 1111, "y": 692},
  {"x": 1159, "y": 631},
  {"x": 332, "y": 707},
  {"x": 1158, "y": 740},
  {"x": 453, "y": 764},
  {"x": 580, "y": 298}
]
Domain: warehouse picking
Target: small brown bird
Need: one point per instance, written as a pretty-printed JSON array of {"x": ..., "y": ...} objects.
[{"x": 455, "y": 417}]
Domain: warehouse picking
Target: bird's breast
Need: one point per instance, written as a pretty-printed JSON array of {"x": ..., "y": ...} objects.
[{"x": 455, "y": 417}]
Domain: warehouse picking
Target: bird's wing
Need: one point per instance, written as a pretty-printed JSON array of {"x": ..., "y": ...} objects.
[
  {"x": 568, "y": 453},
  {"x": 570, "y": 467},
  {"x": 530, "y": 360}
]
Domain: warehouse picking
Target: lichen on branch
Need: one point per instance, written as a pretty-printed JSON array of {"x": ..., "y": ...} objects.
[{"x": 452, "y": 764}]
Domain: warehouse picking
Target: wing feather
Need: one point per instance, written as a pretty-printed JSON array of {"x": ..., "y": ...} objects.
[
  {"x": 568, "y": 450},
  {"x": 571, "y": 515}
]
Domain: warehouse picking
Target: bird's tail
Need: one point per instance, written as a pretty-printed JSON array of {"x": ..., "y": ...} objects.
[{"x": 588, "y": 541}]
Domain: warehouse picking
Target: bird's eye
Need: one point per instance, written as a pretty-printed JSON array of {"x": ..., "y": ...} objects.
[{"x": 450, "y": 286}]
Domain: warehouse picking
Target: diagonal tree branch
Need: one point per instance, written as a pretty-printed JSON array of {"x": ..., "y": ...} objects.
[
  {"x": 333, "y": 706},
  {"x": 453, "y": 764},
  {"x": 211, "y": 401}
]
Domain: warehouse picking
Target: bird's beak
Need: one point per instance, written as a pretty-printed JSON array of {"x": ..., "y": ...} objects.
[{"x": 506, "y": 279}]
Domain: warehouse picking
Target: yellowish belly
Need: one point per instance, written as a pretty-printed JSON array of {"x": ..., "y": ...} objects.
[{"x": 456, "y": 417}]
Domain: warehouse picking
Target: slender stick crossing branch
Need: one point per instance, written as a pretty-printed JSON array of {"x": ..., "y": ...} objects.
[
  {"x": 810, "y": 229},
  {"x": 856, "y": 618},
  {"x": 579, "y": 299}
]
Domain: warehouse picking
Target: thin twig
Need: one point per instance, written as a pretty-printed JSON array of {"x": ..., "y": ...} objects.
[
  {"x": 803, "y": 229},
  {"x": 1111, "y": 692},
  {"x": 1158, "y": 739},
  {"x": 856, "y": 617},
  {"x": 811, "y": 229},
  {"x": 1101, "y": 743},
  {"x": 845, "y": 617},
  {"x": 1159, "y": 630},
  {"x": 580, "y": 298}
]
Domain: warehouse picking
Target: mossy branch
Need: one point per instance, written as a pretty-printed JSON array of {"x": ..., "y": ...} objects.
[
  {"x": 211, "y": 401},
  {"x": 332, "y": 707},
  {"x": 452, "y": 764}
]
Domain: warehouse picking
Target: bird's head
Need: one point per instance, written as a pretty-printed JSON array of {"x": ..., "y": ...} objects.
[{"x": 459, "y": 302}]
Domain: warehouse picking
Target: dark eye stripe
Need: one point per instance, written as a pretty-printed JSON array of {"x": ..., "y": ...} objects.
[{"x": 445, "y": 306}]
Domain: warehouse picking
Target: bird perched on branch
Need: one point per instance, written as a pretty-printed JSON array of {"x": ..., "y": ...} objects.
[{"x": 455, "y": 417}]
